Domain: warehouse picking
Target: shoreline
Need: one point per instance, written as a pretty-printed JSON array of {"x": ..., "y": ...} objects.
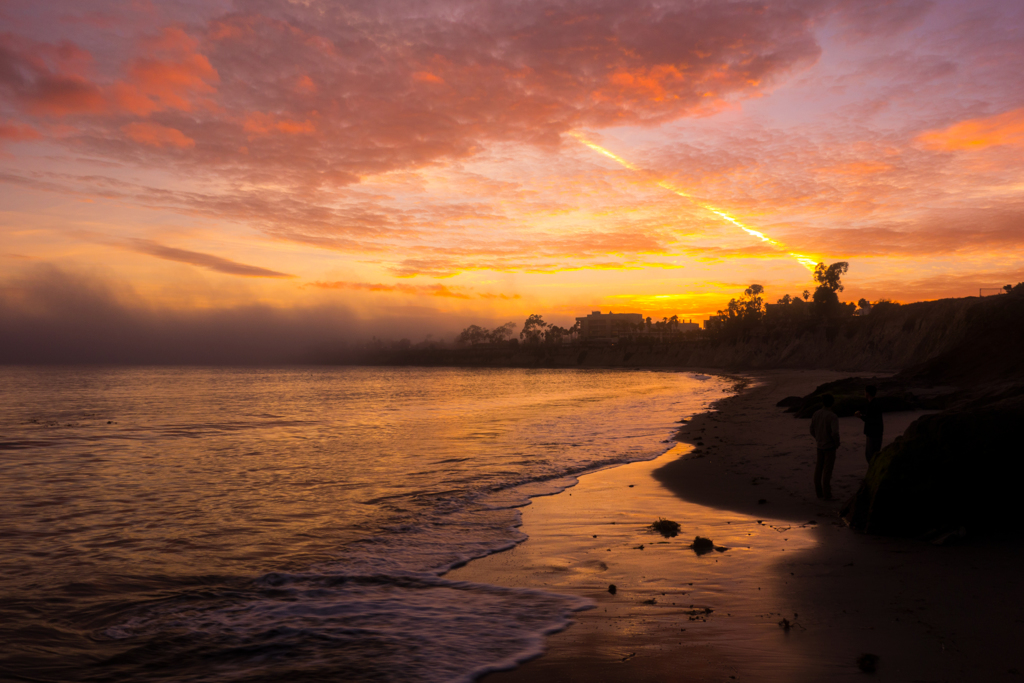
[{"x": 791, "y": 558}]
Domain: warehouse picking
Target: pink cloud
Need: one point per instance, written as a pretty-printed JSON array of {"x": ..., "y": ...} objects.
[
  {"x": 259, "y": 123},
  {"x": 156, "y": 135},
  {"x": 366, "y": 89},
  {"x": 18, "y": 132},
  {"x": 58, "y": 80}
]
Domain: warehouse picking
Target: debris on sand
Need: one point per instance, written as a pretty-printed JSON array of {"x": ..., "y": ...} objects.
[
  {"x": 666, "y": 527},
  {"x": 785, "y": 624},
  {"x": 612, "y": 589},
  {"x": 652, "y": 601},
  {"x": 703, "y": 545},
  {"x": 699, "y": 614},
  {"x": 868, "y": 663}
]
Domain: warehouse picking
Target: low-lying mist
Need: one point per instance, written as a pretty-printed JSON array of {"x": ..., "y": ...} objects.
[{"x": 53, "y": 316}]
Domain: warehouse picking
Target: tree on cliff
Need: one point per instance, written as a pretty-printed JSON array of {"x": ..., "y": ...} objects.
[
  {"x": 829, "y": 281},
  {"x": 749, "y": 307},
  {"x": 554, "y": 334},
  {"x": 474, "y": 334},
  {"x": 826, "y": 294},
  {"x": 745, "y": 312},
  {"x": 500, "y": 334},
  {"x": 533, "y": 329}
]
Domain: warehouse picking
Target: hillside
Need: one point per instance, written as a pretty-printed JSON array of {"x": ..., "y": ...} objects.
[{"x": 891, "y": 338}]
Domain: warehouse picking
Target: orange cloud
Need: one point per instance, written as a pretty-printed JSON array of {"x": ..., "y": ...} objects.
[
  {"x": 1002, "y": 129},
  {"x": 155, "y": 135},
  {"x": 18, "y": 133},
  {"x": 857, "y": 168},
  {"x": 419, "y": 290},
  {"x": 427, "y": 77},
  {"x": 422, "y": 290},
  {"x": 171, "y": 76},
  {"x": 259, "y": 123},
  {"x": 657, "y": 84}
]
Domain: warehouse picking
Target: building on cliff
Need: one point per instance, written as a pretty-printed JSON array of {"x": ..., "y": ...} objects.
[
  {"x": 796, "y": 310},
  {"x": 599, "y": 325},
  {"x": 715, "y": 323}
]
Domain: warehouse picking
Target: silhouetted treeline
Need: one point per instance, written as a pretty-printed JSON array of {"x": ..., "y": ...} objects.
[{"x": 889, "y": 337}]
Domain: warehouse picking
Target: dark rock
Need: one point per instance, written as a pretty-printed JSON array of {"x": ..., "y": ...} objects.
[
  {"x": 612, "y": 589},
  {"x": 958, "y": 468},
  {"x": 868, "y": 663},
  {"x": 893, "y": 396}
]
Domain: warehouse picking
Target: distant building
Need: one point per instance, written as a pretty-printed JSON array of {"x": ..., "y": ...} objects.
[
  {"x": 599, "y": 325},
  {"x": 796, "y": 310},
  {"x": 715, "y": 322}
]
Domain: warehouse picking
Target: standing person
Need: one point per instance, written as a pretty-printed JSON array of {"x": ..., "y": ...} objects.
[
  {"x": 825, "y": 430},
  {"x": 873, "y": 426}
]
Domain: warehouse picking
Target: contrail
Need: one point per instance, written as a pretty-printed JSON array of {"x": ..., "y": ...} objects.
[{"x": 803, "y": 260}]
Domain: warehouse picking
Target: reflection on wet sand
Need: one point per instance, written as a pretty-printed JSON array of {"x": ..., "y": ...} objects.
[{"x": 716, "y": 609}]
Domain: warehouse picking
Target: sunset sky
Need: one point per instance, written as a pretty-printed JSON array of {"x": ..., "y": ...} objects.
[{"x": 442, "y": 161}]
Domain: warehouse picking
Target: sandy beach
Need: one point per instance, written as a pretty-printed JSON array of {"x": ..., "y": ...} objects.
[{"x": 790, "y": 594}]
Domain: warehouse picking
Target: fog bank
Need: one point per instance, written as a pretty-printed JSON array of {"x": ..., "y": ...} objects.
[{"x": 52, "y": 316}]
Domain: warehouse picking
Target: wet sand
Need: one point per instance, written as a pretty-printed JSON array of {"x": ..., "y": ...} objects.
[{"x": 930, "y": 613}]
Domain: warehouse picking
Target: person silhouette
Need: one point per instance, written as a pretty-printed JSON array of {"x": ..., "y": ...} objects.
[
  {"x": 825, "y": 430},
  {"x": 873, "y": 427}
]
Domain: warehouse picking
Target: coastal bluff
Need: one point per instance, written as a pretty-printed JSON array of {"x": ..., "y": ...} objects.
[{"x": 891, "y": 338}]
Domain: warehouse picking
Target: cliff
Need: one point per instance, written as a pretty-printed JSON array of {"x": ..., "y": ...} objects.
[{"x": 891, "y": 338}]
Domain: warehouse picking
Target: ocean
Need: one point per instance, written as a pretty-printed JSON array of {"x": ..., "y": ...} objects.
[{"x": 294, "y": 524}]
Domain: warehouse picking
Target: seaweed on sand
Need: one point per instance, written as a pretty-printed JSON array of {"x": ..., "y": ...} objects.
[
  {"x": 665, "y": 527},
  {"x": 702, "y": 546}
]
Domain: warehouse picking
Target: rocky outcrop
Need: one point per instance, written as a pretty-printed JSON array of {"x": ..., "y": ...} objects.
[{"x": 959, "y": 469}]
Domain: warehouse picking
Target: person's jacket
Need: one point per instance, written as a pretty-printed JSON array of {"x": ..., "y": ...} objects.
[
  {"x": 825, "y": 428},
  {"x": 872, "y": 416}
]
